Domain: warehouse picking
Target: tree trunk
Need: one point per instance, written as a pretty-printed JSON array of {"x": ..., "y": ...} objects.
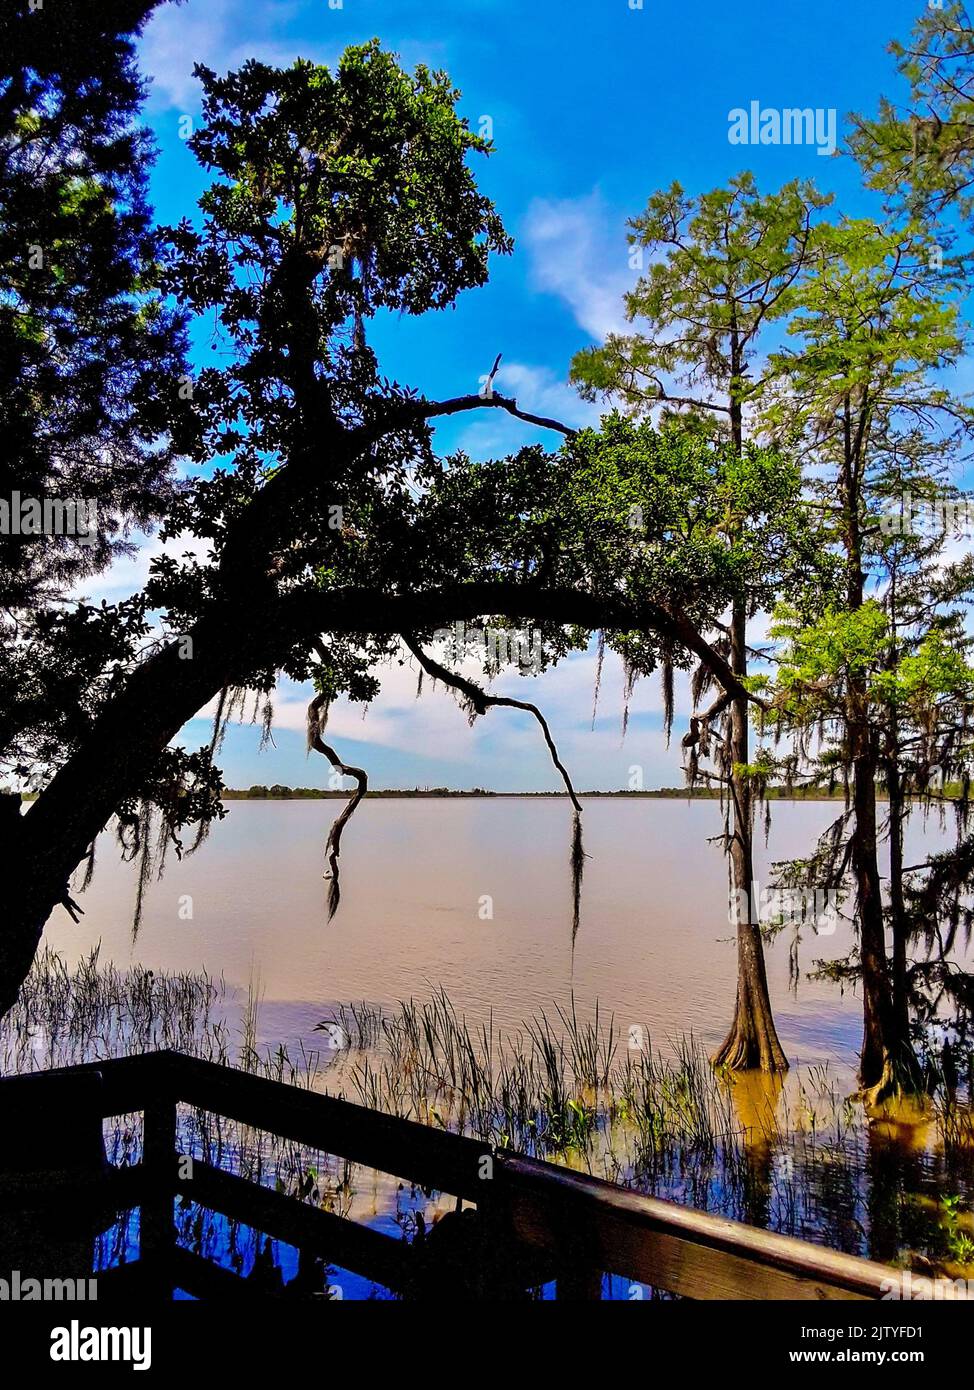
[
  {"x": 887, "y": 1062},
  {"x": 897, "y": 820},
  {"x": 898, "y": 922},
  {"x": 875, "y": 1057},
  {"x": 50, "y": 841},
  {"x": 753, "y": 1039}
]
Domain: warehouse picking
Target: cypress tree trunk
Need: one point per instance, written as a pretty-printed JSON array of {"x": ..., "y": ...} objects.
[
  {"x": 887, "y": 1062},
  {"x": 753, "y": 1039},
  {"x": 878, "y": 1020},
  {"x": 898, "y": 923}
]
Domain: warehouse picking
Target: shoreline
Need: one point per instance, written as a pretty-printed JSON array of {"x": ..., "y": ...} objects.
[{"x": 656, "y": 794}]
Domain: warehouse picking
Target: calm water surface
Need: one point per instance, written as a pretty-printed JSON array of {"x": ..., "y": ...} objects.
[
  {"x": 474, "y": 897},
  {"x": 654, "y": 946}
]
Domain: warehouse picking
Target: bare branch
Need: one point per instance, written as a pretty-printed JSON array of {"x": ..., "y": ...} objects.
[
  {"x": 478, "y": 701},
  {"x": 409, "y": 412},
  {"x": 317, "y": 713}
]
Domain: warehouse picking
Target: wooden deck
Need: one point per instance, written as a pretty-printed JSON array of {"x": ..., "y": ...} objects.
[{"x": 533, "y": 1221}]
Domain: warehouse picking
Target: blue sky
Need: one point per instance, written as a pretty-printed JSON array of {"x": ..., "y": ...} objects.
[{"x": 593, "y": 107}]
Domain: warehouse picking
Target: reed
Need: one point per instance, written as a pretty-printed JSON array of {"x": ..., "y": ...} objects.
[{"x": 566, "y": 1086}]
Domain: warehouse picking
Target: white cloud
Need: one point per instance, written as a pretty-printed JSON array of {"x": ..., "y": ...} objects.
[
  {"x": 540, "y": 391},
  {"x": 432, "y": 726},
  {"x": 579, "y": 253},
  {"x": 435, "y": 727},
  {"x": 222, "y": 34}
]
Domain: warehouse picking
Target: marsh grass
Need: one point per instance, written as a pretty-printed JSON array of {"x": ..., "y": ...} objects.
[
  {"x": 801, "y": 1157},
  {"x": 65, "y": 1016}
]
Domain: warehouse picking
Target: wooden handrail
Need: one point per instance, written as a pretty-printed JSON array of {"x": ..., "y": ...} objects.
[
  {"x": 575, "y": 1225},
  {"x": 432, "y": 1158},
  {"x": 673, "y": 1247}
]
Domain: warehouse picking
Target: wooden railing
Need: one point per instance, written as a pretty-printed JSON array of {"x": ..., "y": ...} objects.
[{"x": 534, "y": 1221}]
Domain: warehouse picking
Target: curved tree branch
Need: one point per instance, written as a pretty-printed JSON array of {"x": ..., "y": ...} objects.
[
  {"x": 413, "y": 412},
  {"x": 476, "y": 699},
  {"x": 370, "y": 610},
  {"x": 317, "y": 713}
]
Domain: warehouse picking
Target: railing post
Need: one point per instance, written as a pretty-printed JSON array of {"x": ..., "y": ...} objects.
[
  {"x": 578, "y": 1279},
  {"x": 579, "y": 1283},
  {"x": 570, "y": 1249},
  {"x": 52, "y": 1145},
  {"x": 157, "y": 1228}
]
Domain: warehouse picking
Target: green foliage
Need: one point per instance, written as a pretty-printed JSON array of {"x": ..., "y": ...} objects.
[
  {"x": 723, "y": 267},
  {"x": 935, "y": 670},
  {"x": 681, "y": 517},
  {"x": 90, "y": 358},
  {"x": 819, "y": 658},
  {"x": 872, "y": 322},
  {"x": 922, "y": 155},
  {"x": 90, "y": 361},
  {"x": 337, "y": 195},
  {"x": 838, "y": 644}
]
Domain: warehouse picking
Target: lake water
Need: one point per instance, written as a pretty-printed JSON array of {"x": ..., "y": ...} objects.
[
  {"x": 473, "y": 897},
  {"x": 420, "y": 879}
]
